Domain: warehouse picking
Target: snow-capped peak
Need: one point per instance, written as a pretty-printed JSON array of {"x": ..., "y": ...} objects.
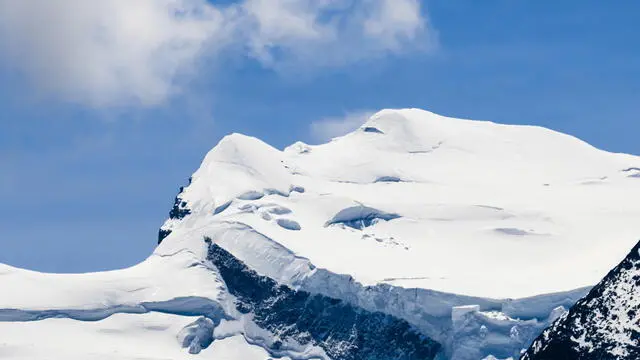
[
  {"x": 458, "y": 187},
  {"x": 446, "y": 236},
  {"x": 435, "y": 213}
]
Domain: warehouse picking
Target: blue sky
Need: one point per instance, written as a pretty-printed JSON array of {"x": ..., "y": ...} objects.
[{"x": 90, "y": 167}]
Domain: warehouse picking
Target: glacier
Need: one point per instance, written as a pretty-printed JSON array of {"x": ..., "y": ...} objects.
[{"x": 451, "y": 239}]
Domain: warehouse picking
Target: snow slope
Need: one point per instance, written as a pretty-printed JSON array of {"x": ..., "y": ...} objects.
[
  {"x": 458, "y": 232},
  {"x": 121, "y": 336},
  {"x": 520, "y": 196}
]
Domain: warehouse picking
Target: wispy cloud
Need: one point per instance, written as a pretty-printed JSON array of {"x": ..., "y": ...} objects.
[
  {"x": 334, "y": 33},
  {"x": 141, "y": 52},
  {"x": 325, "y": 129}
]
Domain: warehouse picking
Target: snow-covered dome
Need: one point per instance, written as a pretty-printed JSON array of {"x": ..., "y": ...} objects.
[
  {"x": 416, "y": 234},
  {"x": 480, "y": 206}
]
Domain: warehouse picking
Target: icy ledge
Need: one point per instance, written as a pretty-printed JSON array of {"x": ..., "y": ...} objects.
[
  {"x": 286, "y": 323},
  {"x": 467, "y": 327}
]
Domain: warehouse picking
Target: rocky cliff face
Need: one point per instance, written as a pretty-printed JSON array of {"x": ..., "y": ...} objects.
[
  {"x": 603, "y": 325},
  {"x": 342, "y": 330}
]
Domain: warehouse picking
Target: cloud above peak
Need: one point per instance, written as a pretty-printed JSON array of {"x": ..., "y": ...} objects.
[
  {"x": 325, "y": 129},
  {"x": 141, "y": 52},
  {"x": 334, "y": 33}
]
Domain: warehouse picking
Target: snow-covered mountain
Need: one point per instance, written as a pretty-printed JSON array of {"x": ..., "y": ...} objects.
[
  {"x": 603, "y": 325},
  {"x": 415, "y": 237}
]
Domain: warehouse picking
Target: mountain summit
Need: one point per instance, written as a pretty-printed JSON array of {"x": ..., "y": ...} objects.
[
  {"x": 465, "y": 196},
  {"x": 416, "y": 236}
]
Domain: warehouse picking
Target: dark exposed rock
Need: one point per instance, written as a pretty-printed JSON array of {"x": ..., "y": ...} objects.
[
  {"x": 371, "y": 129},
  {"x": 603, "y": 325},
  {"x": 343, "y": 331},
  {"x": 179, "y": 210}
]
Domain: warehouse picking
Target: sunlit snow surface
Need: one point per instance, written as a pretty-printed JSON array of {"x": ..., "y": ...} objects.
[
  {"x": 459, "y": 227},
  {"x": 483, "y": 209},
  {"x": 121, "y": 337}
]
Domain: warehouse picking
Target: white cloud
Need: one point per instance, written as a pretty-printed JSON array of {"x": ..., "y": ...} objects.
[
  {"x": 123, "y": 52},
  {"x": 328, "y": 128},
  {"x": 393, "y": 22},
  {"x": 107, "y": 51},
  {"x": 305, "y": 33}
]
